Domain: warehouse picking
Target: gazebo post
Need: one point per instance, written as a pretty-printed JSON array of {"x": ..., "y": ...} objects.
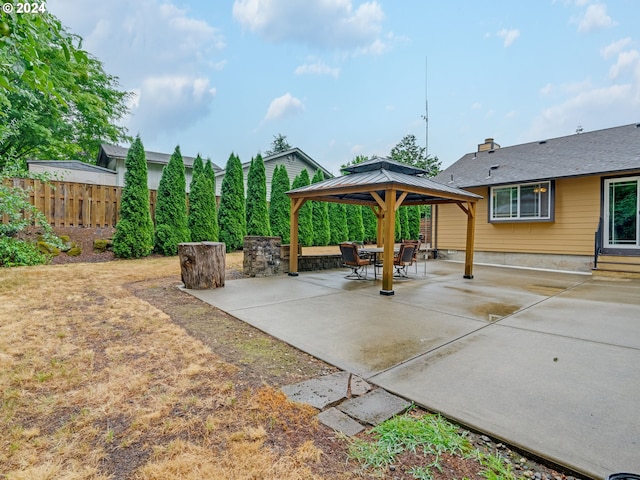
[
  {"x": 380, "y": 224},
  {"x": 389, "y": 237},
  {"x": 471, "y": 232},
  {"x": 296, "y": 203}
]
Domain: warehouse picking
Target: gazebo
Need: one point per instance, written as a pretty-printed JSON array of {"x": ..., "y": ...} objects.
[{"x": 384, "y": 185}]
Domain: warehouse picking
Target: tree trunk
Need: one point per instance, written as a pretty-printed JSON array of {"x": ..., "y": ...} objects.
[{"x": 202, "y": 264}]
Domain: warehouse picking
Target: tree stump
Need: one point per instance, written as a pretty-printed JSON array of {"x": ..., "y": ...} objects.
[{"x": 202, "y": 264}]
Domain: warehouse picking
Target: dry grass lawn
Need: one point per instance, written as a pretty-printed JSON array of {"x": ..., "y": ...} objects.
[{"x": 97, "y": 383}]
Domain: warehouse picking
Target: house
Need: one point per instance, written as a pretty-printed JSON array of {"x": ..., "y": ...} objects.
[
  {"x": 568, "y": 203},
  {"x": 110, "y": 167},
  {"x": 112, "y": 157},
  {"x": 74, "y": 171},
  {"x": 294, "y": 160}
]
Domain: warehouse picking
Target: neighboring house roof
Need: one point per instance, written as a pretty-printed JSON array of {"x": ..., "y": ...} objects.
[
  {"x": 114, "y": 151},
  {"x": 303, "y": 156},
  {"x": 71, "y": 165},
  {"x": 612, "y": 150}
]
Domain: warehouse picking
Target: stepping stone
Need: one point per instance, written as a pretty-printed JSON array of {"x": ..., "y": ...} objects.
[
  {"x": 334, "y": 418},
  {"x": 375, "y": 407},
  {"x": 323, "y": 391}
]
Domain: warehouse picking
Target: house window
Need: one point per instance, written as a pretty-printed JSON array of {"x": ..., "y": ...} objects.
[{"x": 523, "y": 202}]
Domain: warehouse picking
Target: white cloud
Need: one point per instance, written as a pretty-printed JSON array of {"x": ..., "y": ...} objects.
[
  {"x": 331, "y": 24},
  {"x": 145, "y": 43},
  {"x": 626, "y": 61},
  {"x": 595, "y": 18},
  {"x": 546, "y": 90},
  {"x": 509, "y": 36},
  {"x": 170, "y": 102},
  {"x": 614, "y": 48},
  {"x": 593, "y": 108},
  {"x": 476, "y": 106},
  {"x": 284, "y": 106},
  {"x": 317, "y": 67}
]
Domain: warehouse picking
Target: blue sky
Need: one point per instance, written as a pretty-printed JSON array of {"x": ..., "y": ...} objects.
[{"x": 342, "y": 78}]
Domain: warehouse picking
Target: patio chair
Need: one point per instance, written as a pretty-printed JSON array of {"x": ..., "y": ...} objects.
[
  {"x": 417, "y": 243},
  {"x": 403, "y": 259},
  {"x": 351, "y": 259}
]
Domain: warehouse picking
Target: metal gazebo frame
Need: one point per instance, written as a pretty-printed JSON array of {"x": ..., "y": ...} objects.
[{"x": 384, "y": 185}]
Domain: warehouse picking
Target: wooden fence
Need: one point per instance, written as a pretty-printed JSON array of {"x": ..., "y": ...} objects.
[{"x": 68, "y": 204}]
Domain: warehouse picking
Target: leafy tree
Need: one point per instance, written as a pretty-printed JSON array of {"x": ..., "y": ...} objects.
[
  {"x": 305, "y": 214},
  {"x": 414, "y": 222},
  {"x": 280, "y": 204},
  {"x": 197, "y": 169},
  {"x": 321, "y": 229},
  {"x": 278, "y": 145},
  {"x": 338, "y": 223},
  {"x": 398, "y": 227},
  {"x": 257, "y": 211},
  {"x": 231, "y": 216},
  {"x": 355, "y": 161},
  {"x": 370, "y": 222},
  {"x": 211, "y": 175},
  {"x": 56, "y": 99},
  {"x": 134, "y": 231},
  {"x": 354, "y": 222},
  {"x": 202, "y": 207},
  {"x": 19, "y": 216},
  {"x": 171, "y": 207},
  {"x": 407, "y": 151}
]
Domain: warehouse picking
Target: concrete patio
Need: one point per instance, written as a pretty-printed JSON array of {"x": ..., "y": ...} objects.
[{"x": 544, "y": 361}]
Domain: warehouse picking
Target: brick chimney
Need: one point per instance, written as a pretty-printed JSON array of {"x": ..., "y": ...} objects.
[{"x": 488, "y": 144}]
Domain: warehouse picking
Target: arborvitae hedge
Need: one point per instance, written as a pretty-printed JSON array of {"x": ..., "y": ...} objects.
[
  {"x": 280, "y": 204},
  {"x": 171, "y": 207},
  {"x": 134, "y": 231},
  {"x": 404, "y": 222},
  {"x": 257, "y": 212},
  {"x": 196, "y": 170},
  {"x": 370, "y": 222},
  {"x": 338, "y": 223},
  {"x": 202, "y": 206},
  {"x": 414, "y": 222},
  {"x": 354, "y": 223},
  {"x": 211, "y": 175},
  {"x": 321, "y": 229},
  {"x": 398, "y": 227},
  {"x": 305, "y": 214},
  {"x": 231, "y": 216}
]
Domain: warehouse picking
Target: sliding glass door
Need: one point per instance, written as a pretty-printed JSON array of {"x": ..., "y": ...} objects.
[{"x": 622, "y": 213}]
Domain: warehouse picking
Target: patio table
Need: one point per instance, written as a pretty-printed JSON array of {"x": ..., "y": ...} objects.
[{"x": 373, "y": 253}]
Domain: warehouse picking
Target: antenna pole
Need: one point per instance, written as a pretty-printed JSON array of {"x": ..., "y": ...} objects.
[{"x": 426, "y": 109}]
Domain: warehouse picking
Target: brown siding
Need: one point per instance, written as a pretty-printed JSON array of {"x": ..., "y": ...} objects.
[{"x": 577, "y": 211}]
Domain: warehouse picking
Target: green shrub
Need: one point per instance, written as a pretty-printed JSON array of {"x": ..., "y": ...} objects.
[
  {"x": 15, "y": 253},
  {"x": 321, "y": 228},
  {"x": 280, "y": 204},
  {"x": 134, "y": 231},
  {"x": 338, "y": 223},
  {"x": 231, "y": 215},
  {"x": 74, "y": 251},
  {"x": 354, "y": 223},
  {"x": 202, "y": 206},
  {"x": 305, "y": 214},
  {"x": 100, "y": 245},
  {"x": 256, "y": 207},
  {"x": 171, "y": 207}
]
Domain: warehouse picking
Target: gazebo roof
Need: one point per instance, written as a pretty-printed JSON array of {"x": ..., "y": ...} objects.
[{"x": 379, "y": 175}]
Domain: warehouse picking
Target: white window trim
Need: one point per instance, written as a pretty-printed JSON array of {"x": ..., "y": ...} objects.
[{"x": 550, "y": 185}]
